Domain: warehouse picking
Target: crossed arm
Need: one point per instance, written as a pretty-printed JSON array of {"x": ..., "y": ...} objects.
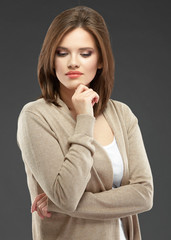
[
  {"x": 136, "y": 197},
  {"x": 67, "y": 198}
]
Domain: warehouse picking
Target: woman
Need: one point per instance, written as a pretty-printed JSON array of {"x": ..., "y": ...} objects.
[{"x": 87, "y": 168}]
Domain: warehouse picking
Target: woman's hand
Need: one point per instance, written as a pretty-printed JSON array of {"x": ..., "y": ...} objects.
[
  {"x": 84, "y": 99},
  {"x": 40, "y": 205}
]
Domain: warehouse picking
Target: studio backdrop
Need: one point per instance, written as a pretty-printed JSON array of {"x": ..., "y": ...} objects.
[{"x": 140, "y": 36}]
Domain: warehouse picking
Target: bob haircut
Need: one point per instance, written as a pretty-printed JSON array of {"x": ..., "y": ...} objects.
[{"x": 93, "y": 22}]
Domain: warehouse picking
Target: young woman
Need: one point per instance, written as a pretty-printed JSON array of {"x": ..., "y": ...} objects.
[{"x": 86, "y": 165}]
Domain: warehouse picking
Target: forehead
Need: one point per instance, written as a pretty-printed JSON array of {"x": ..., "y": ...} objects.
[{"x": 78, "y": 38}]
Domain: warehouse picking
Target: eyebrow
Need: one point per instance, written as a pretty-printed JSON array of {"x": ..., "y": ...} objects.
[{"x": 85, "y": 48}]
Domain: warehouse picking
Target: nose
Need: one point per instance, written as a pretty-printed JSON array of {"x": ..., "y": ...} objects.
[{"x": 73, "y": 62}]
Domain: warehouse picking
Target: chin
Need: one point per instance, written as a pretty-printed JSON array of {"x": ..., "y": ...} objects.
[{"x": 74, "y": 86}]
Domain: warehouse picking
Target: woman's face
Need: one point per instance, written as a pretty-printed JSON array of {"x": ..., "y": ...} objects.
[{"x": 76, "y": 59}]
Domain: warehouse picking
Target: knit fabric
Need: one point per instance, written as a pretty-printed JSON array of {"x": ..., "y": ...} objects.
[{"x": 63, "y": 160}]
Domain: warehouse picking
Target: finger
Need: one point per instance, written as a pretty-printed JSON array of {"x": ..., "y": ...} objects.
[
  {"x": 92, "y": 96},
  {"x": 37, "y": 199},
  {"x": 89, "y": 93},
  {"x": 33, "y": 207},
  {"x": 43, "y": 199},
  {"x": 81, "y": 95},
  {"x": 41, "y": 209},
  {"x": 81, "y": 88},
  {"x": 39, "y": 213},
  {"x": 45, "y": 212},
  {"x": 49, "y": 214},
  {"x": 86, "y": 92},
  {"x": 94, "y": 100}
]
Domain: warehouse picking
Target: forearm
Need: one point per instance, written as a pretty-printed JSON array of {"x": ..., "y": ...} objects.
[{"x": 115, "y": 203}]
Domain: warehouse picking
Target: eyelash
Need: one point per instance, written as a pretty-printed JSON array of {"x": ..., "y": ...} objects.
[
  {"x": 86, "y": 54},
  {"x": 63, "y": 54}
]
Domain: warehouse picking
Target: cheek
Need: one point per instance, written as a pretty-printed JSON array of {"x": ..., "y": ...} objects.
[
  {"x": 92, "y": 65},
  {"x": 57, "y": 65}
]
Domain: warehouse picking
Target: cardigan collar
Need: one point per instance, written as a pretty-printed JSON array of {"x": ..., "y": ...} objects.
[{"x": 113, "y": 120}]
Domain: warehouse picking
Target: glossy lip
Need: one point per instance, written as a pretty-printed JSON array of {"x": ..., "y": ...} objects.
[{"x": 74, "y": 74}]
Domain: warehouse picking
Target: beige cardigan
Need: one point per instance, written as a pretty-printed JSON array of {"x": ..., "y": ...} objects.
[{"x": 62, "y": 159}]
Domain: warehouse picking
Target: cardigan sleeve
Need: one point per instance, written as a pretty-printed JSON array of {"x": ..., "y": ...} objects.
[
  {"x": 62, "y": 178},
  {"x": 134, "y": 198}
]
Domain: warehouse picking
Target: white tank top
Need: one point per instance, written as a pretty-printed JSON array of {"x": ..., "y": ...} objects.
[{"x": 117, "y": 165}]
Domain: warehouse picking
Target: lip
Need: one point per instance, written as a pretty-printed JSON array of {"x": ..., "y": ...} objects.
[{"x": 74, "y": 74}]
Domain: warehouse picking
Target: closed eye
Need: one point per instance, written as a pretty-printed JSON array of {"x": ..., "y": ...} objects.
[
  {"x": 60, "y": 53},
  {"x": 87, "y": 54}
]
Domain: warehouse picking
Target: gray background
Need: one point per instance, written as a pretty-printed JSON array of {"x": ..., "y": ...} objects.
[{"x": 140, "y": 35}]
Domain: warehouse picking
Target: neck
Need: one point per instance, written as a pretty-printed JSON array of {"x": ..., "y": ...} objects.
[{"x": 66, "y": 95}]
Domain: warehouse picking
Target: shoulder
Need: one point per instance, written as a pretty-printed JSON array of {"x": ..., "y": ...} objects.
[
  {"x": 122, "y": 110},
  {"x": 119, "y": 106},
  {"x": 39, "y": 108},
  {"x": 35, "y": 106},
  {"x": 36, "y": 113},
  {"x": 33, "y": 118}
]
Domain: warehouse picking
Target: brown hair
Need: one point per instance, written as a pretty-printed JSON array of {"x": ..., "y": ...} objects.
[{"x": 93, "y": 22}]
